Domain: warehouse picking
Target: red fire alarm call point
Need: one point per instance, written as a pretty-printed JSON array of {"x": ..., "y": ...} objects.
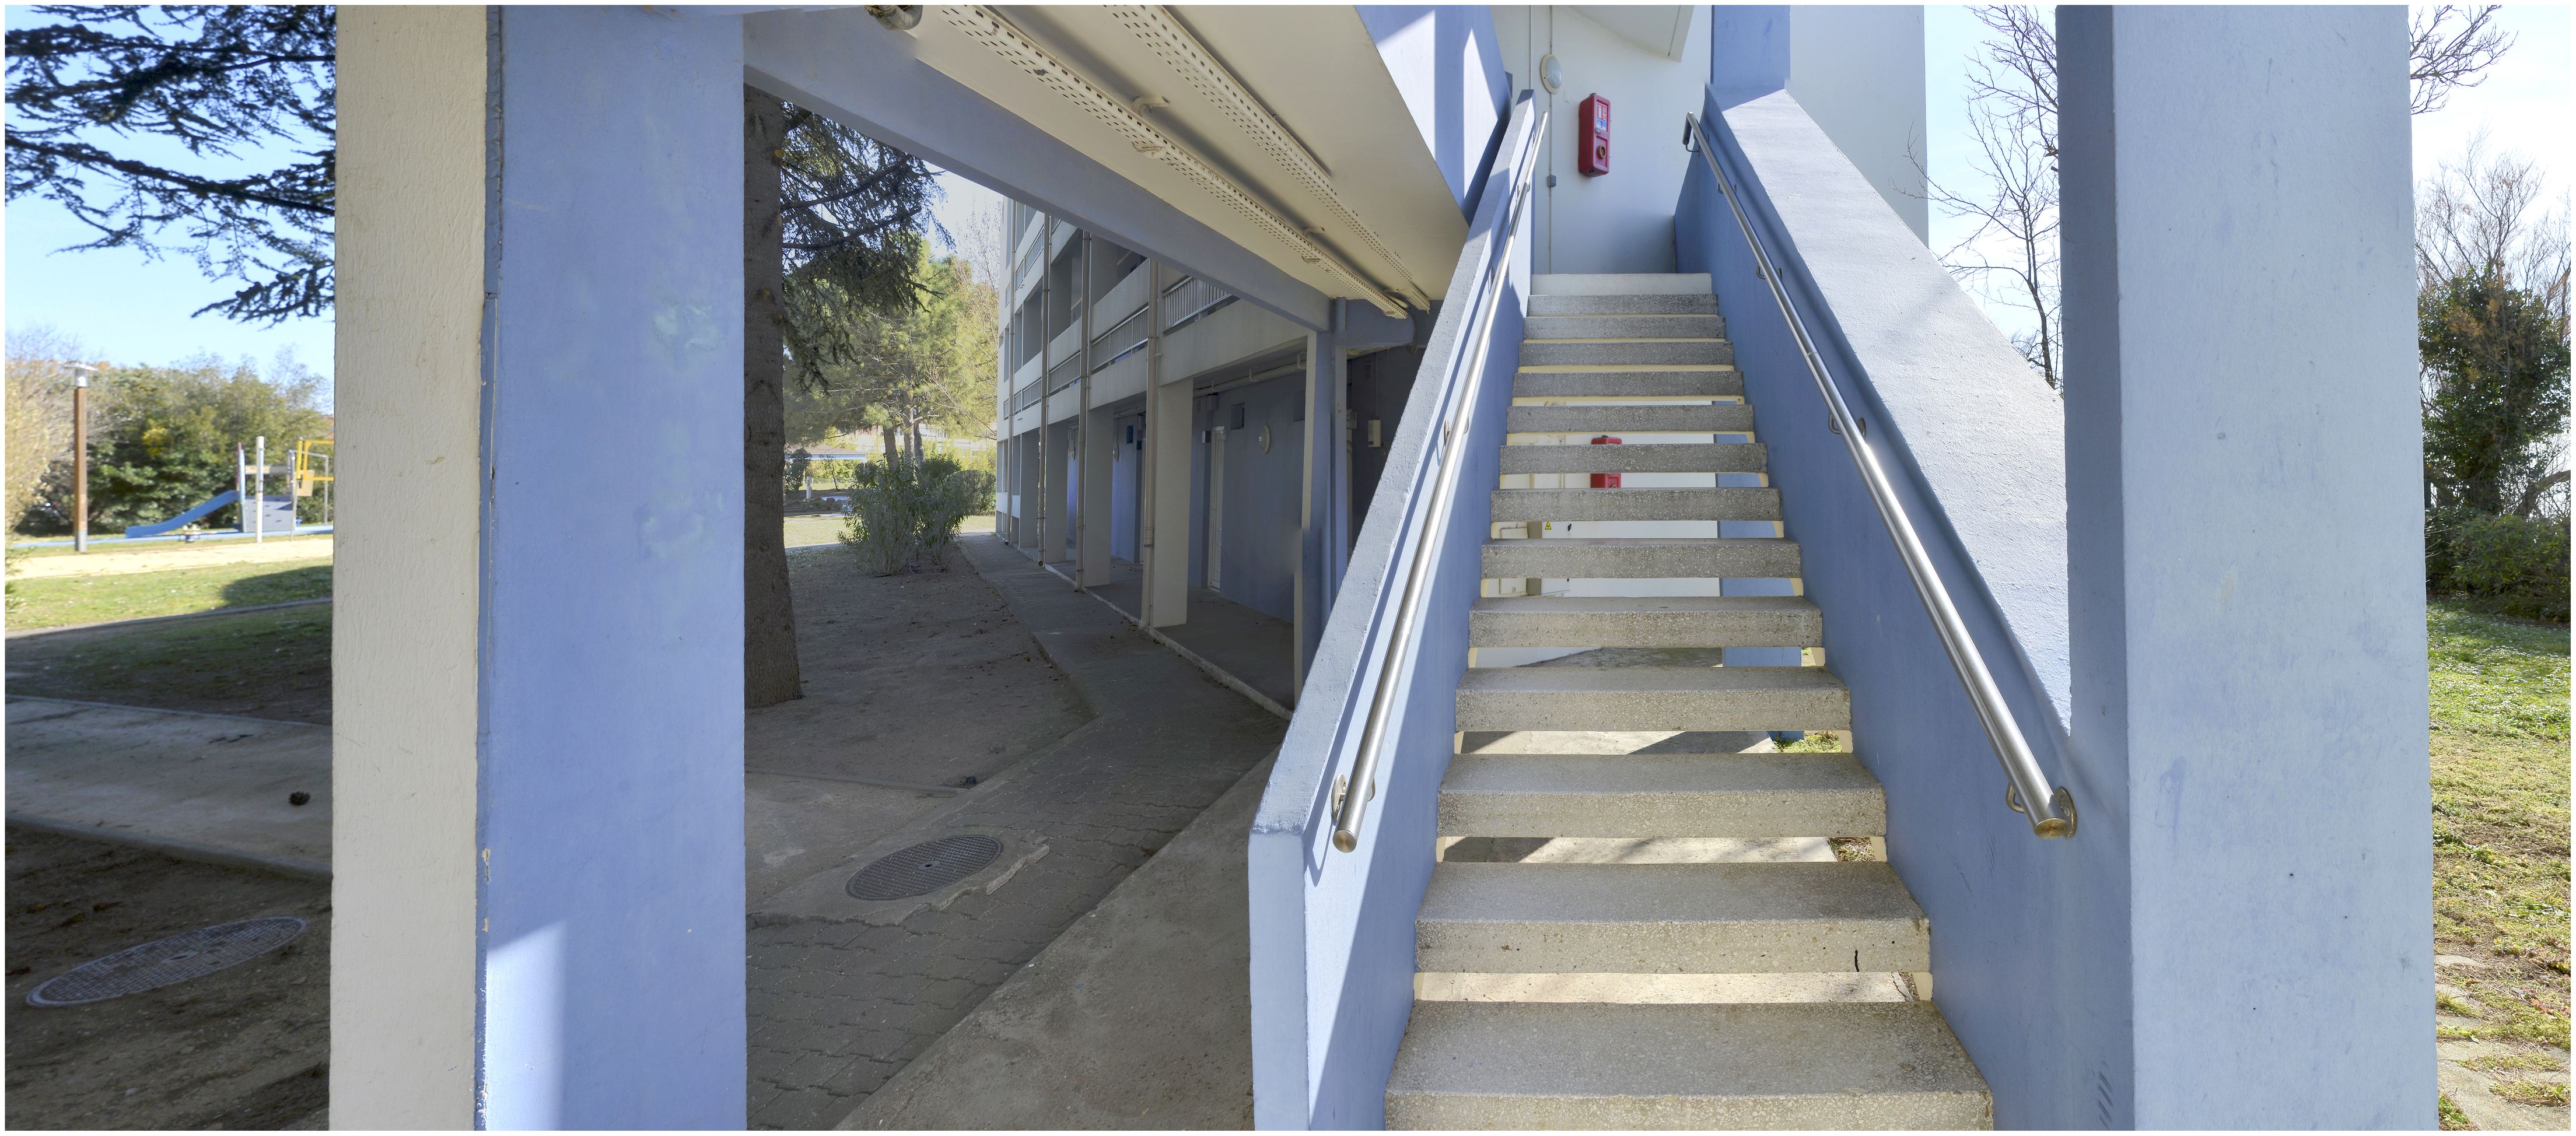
[{"x": 1593, "y": 157}]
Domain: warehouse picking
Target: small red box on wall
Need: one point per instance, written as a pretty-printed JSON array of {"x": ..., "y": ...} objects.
[{"x": 1593, "y": 121}]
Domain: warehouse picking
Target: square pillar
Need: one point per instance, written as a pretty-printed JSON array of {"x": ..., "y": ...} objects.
[
  {"x": 1165, "y": 541},
  {"x": 1099, "y": 446},
  {"x": 2244, "y": 508},
  {"x": 537, "y": 748},
  {"x": 1055, "y": 490},
  {"x": 1324, "y": 501}
]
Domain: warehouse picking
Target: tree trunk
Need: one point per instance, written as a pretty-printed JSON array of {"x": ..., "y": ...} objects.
[{"x": 769, "y": 673}]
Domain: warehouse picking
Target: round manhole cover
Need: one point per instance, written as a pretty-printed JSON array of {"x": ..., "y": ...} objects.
[
  {"x": 164, "y": 961},
  {"x": 924, "y": 868}
]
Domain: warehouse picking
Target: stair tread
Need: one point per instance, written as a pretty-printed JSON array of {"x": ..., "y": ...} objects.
[
  {"x": 1668, "y": 418},
  {"x": 1666, "y": 896},
  {"x": 1619, "y": 283},
  {"x": 1604, "y": 680},
  {"x": 1636, "y": 558},
  {"x": 1651, "y": 795},
  {"x": 1652, "y": 698},
  {"x": 1822, "y": 1065},
  {"x": 1630, "y": 303},
  {"x": 1662, "y": 457},
  {"x": 1711, "y": 503},
  {"x": 1626, "y": 325},
  {"x": 1623, "y": 605},
  {"x": 1632, "y": 352},
  {"x": 1635, "y": 382}
]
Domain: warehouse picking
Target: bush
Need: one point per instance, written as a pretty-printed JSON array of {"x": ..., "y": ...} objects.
[
  {"x": 903, "y": 516},
  {"x": 2517, "y": 564}
]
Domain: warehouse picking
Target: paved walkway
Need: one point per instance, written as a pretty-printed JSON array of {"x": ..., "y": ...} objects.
[
  {"x": 199, "y": 786},
  {"x": 838, "y": 1005},
  {"x": 1140, "y": 1016}
]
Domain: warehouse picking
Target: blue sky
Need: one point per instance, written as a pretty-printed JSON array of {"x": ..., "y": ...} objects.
[{"x": 129, "y": 310}]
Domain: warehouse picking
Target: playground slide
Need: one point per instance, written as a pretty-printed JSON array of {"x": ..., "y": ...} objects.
[{"x": 218, "y": 501}]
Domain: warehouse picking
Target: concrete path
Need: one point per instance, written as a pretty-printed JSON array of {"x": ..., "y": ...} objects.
[
  {"x": 199, "y": 786},
  {"x": 1140, "y": 1016},
  {"x": 844, "y": 994}
]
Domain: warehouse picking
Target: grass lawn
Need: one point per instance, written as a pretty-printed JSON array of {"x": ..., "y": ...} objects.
[
  {"x": 2500, "y": 817},
  {"x": 62, "y": 600},
  {"x": 266, "y": 664}
]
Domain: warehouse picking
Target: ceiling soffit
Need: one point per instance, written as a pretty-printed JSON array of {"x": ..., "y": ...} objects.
[{"x": 1278, "y": 127}]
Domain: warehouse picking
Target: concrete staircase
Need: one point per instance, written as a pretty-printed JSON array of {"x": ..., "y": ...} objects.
[{"x": 1632, "y": 948}]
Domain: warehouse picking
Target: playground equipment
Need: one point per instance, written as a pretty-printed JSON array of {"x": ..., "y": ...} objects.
[{"x": 273, "y": 513}]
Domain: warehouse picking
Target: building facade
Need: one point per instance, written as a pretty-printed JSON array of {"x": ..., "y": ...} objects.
[{"x": 1315, "y": 317}]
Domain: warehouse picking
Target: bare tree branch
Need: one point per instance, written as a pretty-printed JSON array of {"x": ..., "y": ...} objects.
[{"x": 2452, "y": 48}]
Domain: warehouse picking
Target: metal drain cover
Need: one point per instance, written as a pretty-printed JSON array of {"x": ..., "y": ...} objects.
[
  {"x": 924, "y": 868},
  {"x": 164, "y": 961}
]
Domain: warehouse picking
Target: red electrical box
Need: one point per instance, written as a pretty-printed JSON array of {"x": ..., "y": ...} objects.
[
  {"x": 1605, "y": 480},
  {"x": 1593, "y": 156}
]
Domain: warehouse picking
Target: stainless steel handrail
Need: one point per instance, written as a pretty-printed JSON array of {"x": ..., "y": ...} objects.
[
  {"x": 1352, "y": 796},
  {"x": 2054, "y": 818}
]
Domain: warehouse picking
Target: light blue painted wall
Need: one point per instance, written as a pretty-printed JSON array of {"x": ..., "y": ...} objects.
[
  {"x": 2245, "y": 491},
  {"x": 2027, "y": 935},
  {"x": 611, "y": 655},
  {"x": 1127, "y": 460},
  {"x": 1332, "y": 932},
  {"x": 2236, "y": 935},
  {"x": 1263, "y": 494},
  {"x": 1857, "y": 70},
  {"x": 1444, "y": 61}
]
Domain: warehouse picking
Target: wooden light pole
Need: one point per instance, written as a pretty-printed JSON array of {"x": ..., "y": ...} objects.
[{"x": 80, "y": 456}]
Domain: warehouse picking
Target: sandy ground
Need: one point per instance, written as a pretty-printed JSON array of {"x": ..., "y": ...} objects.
[
  {"x": 162, "y": 555},
  {"x": 917, "y": 679},
  {"x": 243, "y": 1048}
]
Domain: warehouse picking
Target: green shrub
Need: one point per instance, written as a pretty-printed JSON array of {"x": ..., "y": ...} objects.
[
  {"x": 903, "y": 516},
  {"x": 2518, "y": 565}
]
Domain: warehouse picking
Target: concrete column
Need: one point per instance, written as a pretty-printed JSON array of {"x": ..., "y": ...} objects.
[
  {"x": 2244, "y": 532},
  {"x": 1318, "y": 553},
  {"x": 538, "y": 866},
  {"x": 1166, "y": 534},
  {"x": 404, "y": 952},
  {"x": 1099, "y": 446},
  {"x": 1024, "y": 473},
  {"x": 1054, "y": 489}
]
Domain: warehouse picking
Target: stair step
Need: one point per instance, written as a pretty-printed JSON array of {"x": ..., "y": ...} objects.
[
  {"x": 1621, "y": 304},
  {"x": 1652, "y": 457},
  {"x": 1645, "y": 621},
  {"x": 1653, "y": 698},
  {"x": 1669, "y": 919},
  {"x": 1650, "y": 382},
  {"x": 1619, "y": 283},
  {"x": 1642, "y": 558},
  {"x": 1636, "y": 326},
  {"x": 1640, "y": 795},
  {"x": 1818, "y": 1065},
  {"x": 1709, "y": 504},
  {"x": 1675, "y": 418},
  {"x": 1551, "y": 352}
]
